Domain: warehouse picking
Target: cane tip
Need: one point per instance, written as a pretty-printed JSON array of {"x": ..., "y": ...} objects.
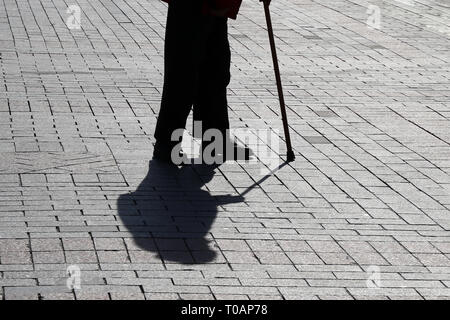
[{"x": 290, "y": 157}]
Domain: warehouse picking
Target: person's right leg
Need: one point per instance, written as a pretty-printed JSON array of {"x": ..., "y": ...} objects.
[
  {"x": 184, "y": 46},
  {"x": 211, "y": 105}
]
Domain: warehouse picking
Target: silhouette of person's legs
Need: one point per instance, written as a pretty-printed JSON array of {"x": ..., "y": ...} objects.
[
  {"x": 211, "y": 106},
  {"x": 197, "y": 72},
  {"x": 182, "y": 56}
]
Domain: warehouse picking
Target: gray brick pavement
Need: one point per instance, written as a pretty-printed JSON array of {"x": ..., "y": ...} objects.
[{"x": 368, "y": 197}]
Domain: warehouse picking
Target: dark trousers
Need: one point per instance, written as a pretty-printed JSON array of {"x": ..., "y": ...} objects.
[{"x": 197, "y": 70}]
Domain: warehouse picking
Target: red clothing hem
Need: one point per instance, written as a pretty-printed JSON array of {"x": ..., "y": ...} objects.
[{"x": 233, "y": 5}]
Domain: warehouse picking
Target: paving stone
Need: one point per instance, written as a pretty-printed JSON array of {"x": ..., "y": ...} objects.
[
  {"x": 78, "y": 244},
  {"x": 112, "y": 256},
  {"x": 78, "y": 257},
  {"x": 46, "y": 245},
  {"x": 48, "y": 257},
  {"x": 15, "y": 257},
  {"x": 304, "y": 258},
  {"x": 7, "y": 245},
  {"x": 240, "y": 257},
  {"x": 109, "y": 244}
]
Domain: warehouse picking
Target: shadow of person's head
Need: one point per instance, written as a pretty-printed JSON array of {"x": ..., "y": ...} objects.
[{"x": 171, "y": 212}]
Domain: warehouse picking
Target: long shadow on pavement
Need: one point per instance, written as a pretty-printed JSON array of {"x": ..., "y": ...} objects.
[{"x": 171, "y": 214}]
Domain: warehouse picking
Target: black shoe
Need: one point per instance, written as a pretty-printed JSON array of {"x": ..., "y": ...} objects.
[{"x": 163, "y": 153}]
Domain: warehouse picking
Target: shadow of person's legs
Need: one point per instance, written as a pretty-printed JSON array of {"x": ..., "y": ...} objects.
[{"x": 171, "y": 213}]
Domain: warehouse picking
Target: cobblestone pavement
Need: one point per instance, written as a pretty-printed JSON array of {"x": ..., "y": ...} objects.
[{"x": 364, "y": 212}]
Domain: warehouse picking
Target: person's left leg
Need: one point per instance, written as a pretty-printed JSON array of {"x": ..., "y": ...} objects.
[
  {"x": 183, "y": 54},
  {"x": 211, "y": 105}
]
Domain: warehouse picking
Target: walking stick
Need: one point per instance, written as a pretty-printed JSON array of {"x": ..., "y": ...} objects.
[{"x": 290, "y": 153}]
